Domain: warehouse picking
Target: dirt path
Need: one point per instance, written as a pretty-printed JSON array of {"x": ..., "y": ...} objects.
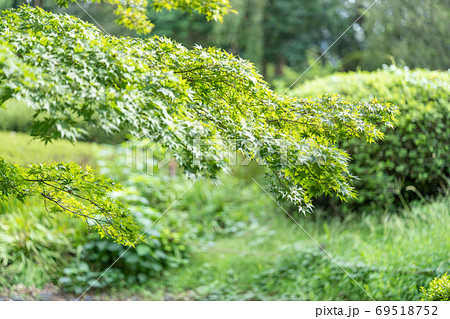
[{"x": 50, "y": 293}]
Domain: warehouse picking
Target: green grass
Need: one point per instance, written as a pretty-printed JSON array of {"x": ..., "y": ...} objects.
[
  {"x": 419, "y": 238},
  {"x": 22, "y": 149},
  {"x": 390, "y": 257}
]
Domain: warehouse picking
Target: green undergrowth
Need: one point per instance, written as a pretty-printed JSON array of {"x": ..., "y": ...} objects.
[
  {"x": 223, "y": 242},
  {"x": 36, "y": 245},
  {"x": 390, "y": 257}
]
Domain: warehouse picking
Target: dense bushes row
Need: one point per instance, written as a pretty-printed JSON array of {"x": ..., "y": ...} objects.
[
  {"x": 413, "y": 161},
  {"x": 17, "y": 117}
]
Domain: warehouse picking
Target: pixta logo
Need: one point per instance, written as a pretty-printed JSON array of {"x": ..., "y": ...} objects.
[{"x": 146, "y": 154}]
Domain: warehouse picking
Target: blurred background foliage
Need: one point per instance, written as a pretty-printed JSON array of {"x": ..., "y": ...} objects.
[
  {"x": 230, "y": 241},
  {"x": 282, "y": 35}
]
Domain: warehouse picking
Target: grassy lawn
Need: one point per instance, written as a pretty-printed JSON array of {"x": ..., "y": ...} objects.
[{"x": 22, "y": 149}]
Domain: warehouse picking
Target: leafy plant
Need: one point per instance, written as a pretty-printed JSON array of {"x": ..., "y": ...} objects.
[
  {"x": 132, "y": 13},
  {"x": 78, "y": 277},
  {"x": 17, "y": 117},
  {"x": 132, "y": 265},
  {"x": 33, "y": 246},
  {"x": 68, "y": 188},
  {"x": 438, "y": 290}
]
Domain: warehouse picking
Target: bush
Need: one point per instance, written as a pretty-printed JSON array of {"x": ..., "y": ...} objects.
[
  {"x": 79, "y": 276},
  {"x": 15, "y": 117},
  {"x": 413, "y": 161},
  {"x": 134, "y": 265},
  {"x": 439, "y": 290},
  {"x": 147, "y": 197}
]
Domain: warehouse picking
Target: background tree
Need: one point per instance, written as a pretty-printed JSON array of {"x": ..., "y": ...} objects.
[
  {"x": 280, "y": 33},
  {"x": 292, "y": 29},
  {"x": 414, "y": 31}
]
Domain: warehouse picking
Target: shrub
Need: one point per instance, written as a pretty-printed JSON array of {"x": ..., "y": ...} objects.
[
  {"x": 413, "y": 161},
  {"x": 15, "y": 117},
  {"x": 439, "y": 289},
  {"x": 79, "y": 276},
  {"x": 147, "y": 197},
  {"x": 135, "y": 265}
]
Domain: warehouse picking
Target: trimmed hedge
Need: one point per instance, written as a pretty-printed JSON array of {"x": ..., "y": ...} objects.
[
  {"x": 413, "y": 161},
  {"x": 17, "y": 117}
]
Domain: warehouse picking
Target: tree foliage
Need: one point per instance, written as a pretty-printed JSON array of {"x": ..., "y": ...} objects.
[
  {"x": 132, "y": 14},
  {"x": 68, "y": 72},
  {"x": 213, "y": 10},
  {"x": 68, "y": 188},
  {"x": 271, "y": 32},
  {"x": 413, "y": 31}
]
